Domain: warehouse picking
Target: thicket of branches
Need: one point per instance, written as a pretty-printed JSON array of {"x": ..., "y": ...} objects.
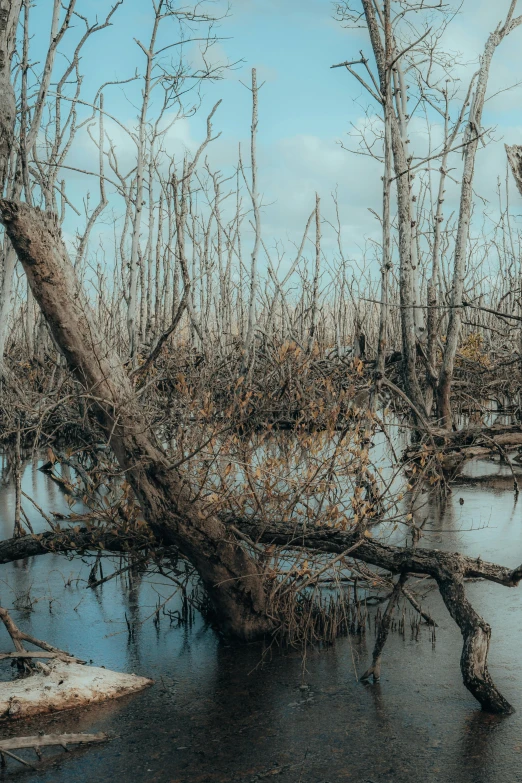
[{"x": 218, "y": 394}]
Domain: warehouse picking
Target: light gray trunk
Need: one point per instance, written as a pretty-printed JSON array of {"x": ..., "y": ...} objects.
[{"x": 466, "y": 203}]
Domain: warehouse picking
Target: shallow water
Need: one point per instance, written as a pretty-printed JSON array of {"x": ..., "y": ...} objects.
[{"x": 220, "y": 713}]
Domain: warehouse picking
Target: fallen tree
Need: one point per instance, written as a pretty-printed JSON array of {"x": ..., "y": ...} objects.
[
  {"x": 452, "y": 449},
  {"x": 233, "y": 578},
  {"x": 229, "y": 574},
  {"x": 448, "y": 569}
]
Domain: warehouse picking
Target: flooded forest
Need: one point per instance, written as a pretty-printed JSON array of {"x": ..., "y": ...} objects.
[{"x": 260, "y": 393}]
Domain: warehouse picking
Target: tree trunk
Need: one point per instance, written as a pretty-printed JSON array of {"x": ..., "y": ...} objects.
[
  {"x": 466, "y": 203},
  {"x": 229, "y": 574},
  {"x": 6, "y": 298},
  {"x": 404, "y": 219},
  {"x": 249, "y": 340},
  {"x": 386, "y": 216},
  {"x": 9, "y": 17}
]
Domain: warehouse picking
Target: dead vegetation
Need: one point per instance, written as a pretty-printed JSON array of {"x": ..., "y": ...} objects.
[{"x": 225, "y": 427}]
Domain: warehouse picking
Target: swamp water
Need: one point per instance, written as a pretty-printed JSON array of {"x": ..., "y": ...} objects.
[{"x": 217, "y": 714}]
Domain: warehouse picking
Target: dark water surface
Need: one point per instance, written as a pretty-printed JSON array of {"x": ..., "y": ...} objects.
[{"x": 219, "y": 713}]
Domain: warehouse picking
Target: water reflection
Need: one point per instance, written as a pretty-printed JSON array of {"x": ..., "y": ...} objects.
[{"x": 221, "y": 713}]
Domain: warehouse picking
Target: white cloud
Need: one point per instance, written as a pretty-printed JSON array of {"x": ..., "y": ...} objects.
[{"x": 295, "y": 163}]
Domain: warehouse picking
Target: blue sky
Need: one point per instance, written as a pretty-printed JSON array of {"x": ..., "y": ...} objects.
[{"x": 305, "y": 108}]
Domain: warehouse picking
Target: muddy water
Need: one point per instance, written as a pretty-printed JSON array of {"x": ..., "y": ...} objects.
[{"x": 219, "y": 713}]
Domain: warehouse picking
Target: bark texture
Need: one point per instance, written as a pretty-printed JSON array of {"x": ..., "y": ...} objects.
[{"x": 229, "y": 574}]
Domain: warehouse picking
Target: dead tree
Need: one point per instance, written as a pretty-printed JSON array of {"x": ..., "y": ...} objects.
[
  {"x": 472, "y": 138},
  {"x": 229, "y": 574},
  {"x": 387, "y": 60},
  {"x": 449, "y": 570},
  {"x": 254, "y": 195}
]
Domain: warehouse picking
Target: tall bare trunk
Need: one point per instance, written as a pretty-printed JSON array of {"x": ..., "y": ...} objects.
[
  {"x": 386, "y": 216},
  {"x": 315, "y": 284},
  {"x": 514, "y": 156},
  {"x": 404, "y": 219},
  {"x": 9, "y": 16},
  {"x": 257, "y": 223},
  {"x": 466, "y": 203},
  {"x": 133, "y": 313}
]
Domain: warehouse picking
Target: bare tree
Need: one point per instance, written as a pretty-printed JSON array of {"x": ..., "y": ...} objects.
[
  {"x": 253, "y": 189},
  {"x": 466, "y": 200}
]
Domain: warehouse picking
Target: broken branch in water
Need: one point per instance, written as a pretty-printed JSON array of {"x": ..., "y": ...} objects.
[
  {"x": 43, "y": 741},
  {"x": 384, "y": 628},
  {"x": 46, "y": 740},
  {"x": 448, "y": 569}
]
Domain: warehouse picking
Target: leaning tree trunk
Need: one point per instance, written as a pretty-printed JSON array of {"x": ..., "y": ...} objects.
[{"x": 229, "y": 574}]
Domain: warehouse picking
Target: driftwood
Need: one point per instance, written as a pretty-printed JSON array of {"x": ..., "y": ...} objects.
[
  {"x": 19, "y": 637},
  {"x": 46, "y": 740},
  {"x": 66, "y": 686},
  {"x": 38, "y": 654},
  {"x": 40, "y": 741}
]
